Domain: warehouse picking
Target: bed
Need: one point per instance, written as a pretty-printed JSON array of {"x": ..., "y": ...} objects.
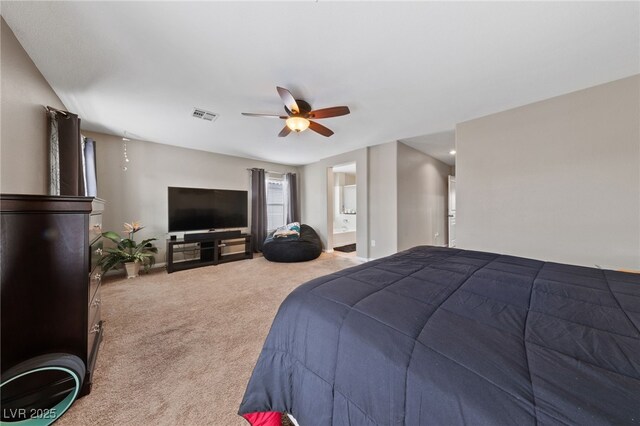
[{"x": 435, "y": 336}]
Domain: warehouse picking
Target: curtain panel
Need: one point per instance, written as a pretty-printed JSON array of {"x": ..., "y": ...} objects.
[
  {"x": 66, "y": 158},
  {"x": 54, "y": 153},
  {"x": 72, "y": 157},
  {"x": 293, "y": 211},
  {"x": 258, "y": 208},
  {"x": 90, "y": 174}
]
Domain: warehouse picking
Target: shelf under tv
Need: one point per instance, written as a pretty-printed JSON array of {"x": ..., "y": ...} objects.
[{"x": 206, "y": 252}]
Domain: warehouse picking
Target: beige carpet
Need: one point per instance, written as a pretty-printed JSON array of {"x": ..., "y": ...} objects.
[{"x": 179, "y": 348}]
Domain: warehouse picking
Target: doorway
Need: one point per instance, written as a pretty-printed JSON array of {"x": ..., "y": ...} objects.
[{"x": 344, "y": 212}]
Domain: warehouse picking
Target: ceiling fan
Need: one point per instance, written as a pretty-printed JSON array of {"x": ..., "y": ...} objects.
[{"x": 299, "y": 115}]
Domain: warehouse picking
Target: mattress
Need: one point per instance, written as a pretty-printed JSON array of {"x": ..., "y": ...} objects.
[{"x": 434, "y": 336}]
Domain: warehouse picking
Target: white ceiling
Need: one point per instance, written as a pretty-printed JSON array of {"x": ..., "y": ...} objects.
[{"x": 404, "y": 69}]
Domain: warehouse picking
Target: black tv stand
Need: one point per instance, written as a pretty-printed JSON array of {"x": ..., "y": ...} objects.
[
  {"x": 211, "y": 235},
  {"x": 211, "y": 250}
]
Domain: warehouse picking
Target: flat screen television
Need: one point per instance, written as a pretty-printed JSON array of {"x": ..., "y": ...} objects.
[{"x": 192, "y": 209}]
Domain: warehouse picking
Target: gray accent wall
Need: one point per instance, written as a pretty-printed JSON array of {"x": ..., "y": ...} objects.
[
  {"x": 422, "y": 199},
  {"x": 401, "y": 198},
  {"x": 383, "y": 199},
  {"x": 407, "y": 199},
  {"x": 24, "y": 147},
  {"x": 140, "y": 192},
  {"x": 555, "y": 180},
  {"x": 317, "y": 197}
]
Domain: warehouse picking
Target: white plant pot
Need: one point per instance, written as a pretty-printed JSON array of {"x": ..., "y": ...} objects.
[{"x": 133, "y": 269}]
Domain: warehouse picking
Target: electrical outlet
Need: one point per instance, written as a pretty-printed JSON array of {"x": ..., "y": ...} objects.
[{"x": 373, "y": 243}]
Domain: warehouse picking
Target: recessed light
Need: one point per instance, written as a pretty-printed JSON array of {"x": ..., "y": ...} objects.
[{"x": 452, "y": 152}]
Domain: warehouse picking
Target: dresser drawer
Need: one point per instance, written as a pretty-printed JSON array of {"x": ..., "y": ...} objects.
[
  {"x": 95, "y": 226},
  {"x": 95, "y": 327},
  {"x": 95, "y": 253},
  {"x": 95, "y": 278},
  {"x": 94, "y": 308}
]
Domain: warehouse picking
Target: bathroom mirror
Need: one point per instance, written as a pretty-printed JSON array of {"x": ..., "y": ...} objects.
[{"x": 349, "y": 199}]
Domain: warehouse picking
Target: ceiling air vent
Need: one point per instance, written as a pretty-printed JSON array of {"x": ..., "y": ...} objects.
[{"x": 205, "y": 115}]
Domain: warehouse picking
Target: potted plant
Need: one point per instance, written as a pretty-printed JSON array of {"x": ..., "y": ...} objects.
[{"x": 127, "y": 252}]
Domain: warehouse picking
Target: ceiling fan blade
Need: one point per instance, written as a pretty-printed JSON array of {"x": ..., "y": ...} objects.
[
  {"x": 251, "y": 114},
  {"x": 319, "y": 128},
  {"x": 284, "y": 132},
  {"x": 288, "y": 99},
  {"x": 329, "y": 112}
]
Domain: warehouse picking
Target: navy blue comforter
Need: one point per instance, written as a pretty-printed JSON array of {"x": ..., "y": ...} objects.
[{"x": 436, "y": 336}]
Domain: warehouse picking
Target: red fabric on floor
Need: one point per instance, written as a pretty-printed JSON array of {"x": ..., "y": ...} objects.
[{"x": 268, "y": 418}]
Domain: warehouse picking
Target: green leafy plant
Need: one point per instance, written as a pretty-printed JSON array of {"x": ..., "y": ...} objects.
[{"x": 127, "y": 250}]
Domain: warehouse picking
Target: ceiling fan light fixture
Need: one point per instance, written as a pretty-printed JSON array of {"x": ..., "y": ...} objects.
[
  {"x": 298, "y": 114},
  {"x": 297, "y": 124}
]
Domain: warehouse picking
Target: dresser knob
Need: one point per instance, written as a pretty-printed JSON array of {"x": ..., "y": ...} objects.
[{"x": 95, "y": 329}]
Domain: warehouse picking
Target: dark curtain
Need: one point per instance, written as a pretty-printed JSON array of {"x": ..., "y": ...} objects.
[
  {"x": 258, "y": 208},
  {"x": 293, "y": 213},
  {"x": 91, "y": 184},
  {"x": 66, "y": 156}
]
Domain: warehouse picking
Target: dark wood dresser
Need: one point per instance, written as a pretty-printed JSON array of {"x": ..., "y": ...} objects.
[{"x": 50, "y": 301}]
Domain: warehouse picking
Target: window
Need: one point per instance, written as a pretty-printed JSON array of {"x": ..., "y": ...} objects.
[{"x": 276, "y": 202}]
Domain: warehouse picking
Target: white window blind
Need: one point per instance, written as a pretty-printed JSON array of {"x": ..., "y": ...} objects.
[{"x": 276, "y": 202}]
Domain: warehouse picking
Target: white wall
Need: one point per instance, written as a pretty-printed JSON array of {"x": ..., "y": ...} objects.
[
  {"x": 140, "y": 193},
  {"x": 317, "y": 198},
  {"x": 556, "y": 180},
  {"x": 23, "y": 139},
  {"x": 422, "y": 199}
]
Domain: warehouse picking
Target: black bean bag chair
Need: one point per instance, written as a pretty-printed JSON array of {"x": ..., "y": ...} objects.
[{"x": 293, "y": 249}]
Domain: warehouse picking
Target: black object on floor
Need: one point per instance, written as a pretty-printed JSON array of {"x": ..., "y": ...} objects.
[
  {"x": 349, "y": 248},
  {"x": 306, "y": 247}
]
